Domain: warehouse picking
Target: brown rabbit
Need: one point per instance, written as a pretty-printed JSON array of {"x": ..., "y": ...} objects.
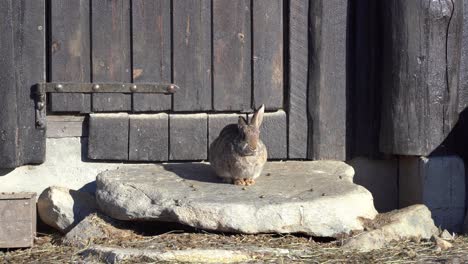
[{"x": 237, "y": 154}]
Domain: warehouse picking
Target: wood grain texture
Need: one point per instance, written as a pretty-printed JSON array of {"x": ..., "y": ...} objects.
[
  {"x": 463, "y": 86},
  {"x": 327, "y": 103},
  {"x": 267, "y": 18},
  {"x": 151, "y": 36},
  {"x": 420, "y": 74},
  {"x": 111, "y": 53},
  {"x": 8, "y": 115},
  {"x": 70, "y": 52},
  {"x": 188, "y": 136},
  {"x": 298, "y": 70},
  {"x": 149, "y": 137},
  {"x": 66, "y": 126},
  {"x": 192, "y": 54},
  {"x": 18, "y": 218},
  {"x": 29, "y": 50},
  {"x": 232, "y": 78},
  {"x": 108, "y": 136},
  {"x": 365, "y": 90}
]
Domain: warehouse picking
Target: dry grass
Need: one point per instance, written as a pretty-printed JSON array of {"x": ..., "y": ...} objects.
[{"x": 48, "y": 248}]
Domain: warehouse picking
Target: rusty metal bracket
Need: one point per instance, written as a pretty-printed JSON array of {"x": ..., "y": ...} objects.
[{"x": 41, "y": 90}]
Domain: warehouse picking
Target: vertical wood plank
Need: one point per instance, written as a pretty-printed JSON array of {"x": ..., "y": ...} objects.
[
  {"x": 111, "y": 51},
  {"x": 192, "y": 54},
  {"x": 364, "y": 91},
  {"x": 327, "y": 79},
  {"x": 70, "y": 54},
  {"x": 267, "y": 17},
  {"x": 298, "y": 69},
  {"x": 420, "y": 74},
  {"x": 8, "y": 115},
  {"x": 151, "y": 34},
  {"x": 463, "y": 86},
  {"x": 231, "y": 55},
  {"x": 29, "y": 46}
]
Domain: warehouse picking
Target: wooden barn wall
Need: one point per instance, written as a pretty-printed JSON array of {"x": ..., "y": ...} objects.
[{"x": 339, "y": 78}]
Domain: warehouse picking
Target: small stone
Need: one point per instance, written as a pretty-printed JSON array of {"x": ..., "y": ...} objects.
[
  {"x": 95, "y": 227},
  {"x": 445, "y": 235},
  {"x": 243, "y": 188},
  {"x": 63, "y": 208},
  {"x": 440, "y": 244},
  {"x": 262, "y": 196},
  {"x": 413, "y": 222}
]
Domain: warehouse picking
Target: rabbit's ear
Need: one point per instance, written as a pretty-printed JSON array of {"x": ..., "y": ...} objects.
[
  {"x": 242, "y": 122},
  {"x": 258, "y": 117}
]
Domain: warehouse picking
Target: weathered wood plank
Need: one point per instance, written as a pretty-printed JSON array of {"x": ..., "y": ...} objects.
[
  {"x": 151, "y": 36},
  {"x": 188, "y": 136},
  {"x": 463, "y": 87},
  {"x": 67, "y": 126},
  {"x": 420, "y": 74},
  {"x": 274, "y": 134},
  {"x": 70, "y": 52},
  {"x": 8, "y": 115},
  {"x": 327, "y": 79},
  {"x": 298, "y": 69},
  {"x": 70, "y": 102},
  {"x": 110, "y": 36},
  {"x": 108, "y": 136},
  {"x": 364, "y": 90},
  {"x": 232, "y": 78},
  {"x": 267, "y": 18},
  {"x": 149, "y": 137},
  {"x": 192, "y": 54},
  {"x": 29, "y": 47}
]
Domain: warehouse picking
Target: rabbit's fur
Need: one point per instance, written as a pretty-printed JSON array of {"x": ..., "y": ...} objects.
[{"x": 237, "y": 154}]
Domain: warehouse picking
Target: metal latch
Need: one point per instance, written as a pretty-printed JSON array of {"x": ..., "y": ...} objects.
[{"x": 41, "y": 90}]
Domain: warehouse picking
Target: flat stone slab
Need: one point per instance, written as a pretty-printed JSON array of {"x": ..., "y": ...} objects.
[{"x": 315, "y": 197}]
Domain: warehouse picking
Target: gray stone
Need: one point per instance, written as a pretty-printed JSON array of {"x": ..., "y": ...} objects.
[
  {"x": 411, "y": 222},
  {"x": 316, "y": 198},
  {"x": 108, "y": 136},
  {"x": 62, "y": 208},
  {"x": 149, "y": 139},
  {"x": 380, "y": 177},
  {"x": 189, "y": 136},
  {"x": 439, "y": 183},
  {"x": 94, "y": 227},
  {"x": 273, "y": 133},
  {"x": 117, "y": 255},
  {"x": 66, "y": 165}
]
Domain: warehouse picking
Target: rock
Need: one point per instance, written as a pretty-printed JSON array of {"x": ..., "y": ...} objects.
[
  {"x": 94, "y": 227},
  {"x": 117, "y": 255},
  {"x": 413, "y": 222},
  {"x": 63, "y": 208},
  {"x": 445, "y": 235},
  {"x": 316, "y": 198},
  {"x": 440, "y": 244}
]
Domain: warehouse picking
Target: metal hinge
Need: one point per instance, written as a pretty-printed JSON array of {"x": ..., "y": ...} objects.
[{"x": 41, "y": 90}]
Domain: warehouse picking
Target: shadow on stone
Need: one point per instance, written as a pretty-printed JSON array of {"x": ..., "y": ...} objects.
[
  {"x": 4, "y": 172},
  {"x": 194, "y": 171}
]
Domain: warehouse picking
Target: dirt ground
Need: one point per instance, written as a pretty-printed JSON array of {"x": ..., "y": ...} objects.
[
  {"x": 164, "y": 237},
  {"x": 49, "y": 249}
]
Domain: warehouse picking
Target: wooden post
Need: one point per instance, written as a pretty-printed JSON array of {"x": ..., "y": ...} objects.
[
  {"x": 420, "y": 67},
  {"x": 327, "y": 79}
]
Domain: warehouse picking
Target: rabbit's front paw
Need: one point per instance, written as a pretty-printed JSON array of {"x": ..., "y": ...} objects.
[
  {"x": 240, "y": 182},
  {"x": 249, "y": 182}
]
